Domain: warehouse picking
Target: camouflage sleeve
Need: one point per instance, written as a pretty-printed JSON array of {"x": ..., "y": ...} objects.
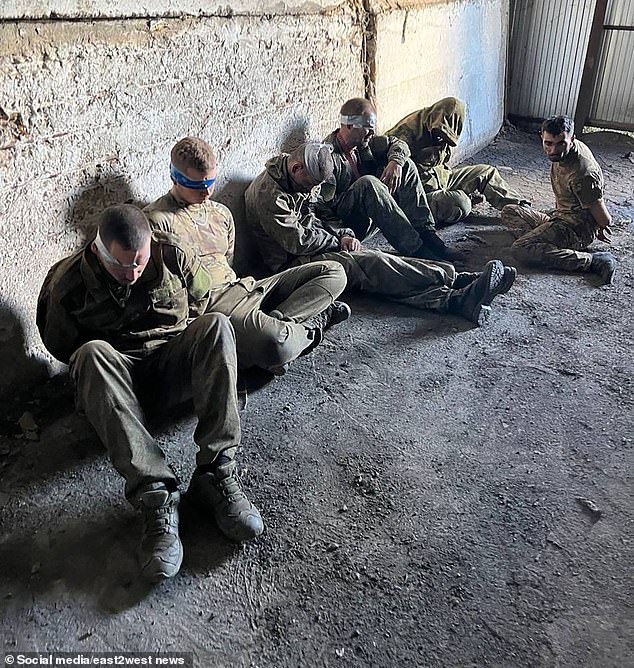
[
  {"x": 588, "y": 189},
  {"x": 58, "y": 329},
  {"x": 387, "y": 149},
  {"x": 159, "y": 221}
]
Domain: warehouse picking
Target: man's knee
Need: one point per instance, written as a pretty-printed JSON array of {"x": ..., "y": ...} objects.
[
  {"x": 449, "y": 206},
  {"x": 335, "y": 274},
  {"x": 274, "y": 347},
  {"x": 93, "y": 353},
  {"x": 211, "y": 326},
  {"x": 370, "y": 186}
]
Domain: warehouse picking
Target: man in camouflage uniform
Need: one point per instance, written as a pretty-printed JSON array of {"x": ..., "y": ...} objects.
[
  {"x": 288, "y": 232},
  {"x": 431, "y": 133},
  {"x": 559, "y": 239},
  {"x": 276, "y": 319},
  {"x": 120, "y": 312},
  {"x": 376, "y": 185}
]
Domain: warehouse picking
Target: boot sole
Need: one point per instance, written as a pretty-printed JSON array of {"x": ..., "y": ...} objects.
[{"x": 506, "y": 283}]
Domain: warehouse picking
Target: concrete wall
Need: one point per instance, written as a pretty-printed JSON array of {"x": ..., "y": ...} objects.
[
  {"x": 90, "y": 108},
  {"x": 429, "y": 50}
]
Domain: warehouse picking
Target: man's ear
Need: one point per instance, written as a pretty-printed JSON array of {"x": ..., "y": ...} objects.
[{"x": 93, "y": 248}]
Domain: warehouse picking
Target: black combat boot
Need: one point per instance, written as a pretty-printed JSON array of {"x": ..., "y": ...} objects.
[
  {"x": 474, "y": 301},
  {"x": 604, "y": 264},
  {"x": 434, "y": 248},
  {"x": 336, "y": 313}
]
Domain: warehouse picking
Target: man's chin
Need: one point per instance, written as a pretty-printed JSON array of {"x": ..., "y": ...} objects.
[{"x": 555, "y": 158}]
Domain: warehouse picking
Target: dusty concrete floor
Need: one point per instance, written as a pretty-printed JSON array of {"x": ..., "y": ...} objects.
[{"x": 428, "y": 489}]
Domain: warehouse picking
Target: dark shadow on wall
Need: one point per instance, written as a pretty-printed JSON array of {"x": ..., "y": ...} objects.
[
  {"x": 247, "y": 260},
  {"x": 20, "y": 370},
  {"x": 89, "y": 201}
]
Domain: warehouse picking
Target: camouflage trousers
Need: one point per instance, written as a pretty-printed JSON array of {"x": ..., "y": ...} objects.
[
  {"x": 418, "y": 283},
  {"x": 548, "y": 240},
  {"x": 368, "y": 205},
  {"x": 114, "y": 390},
  {"x": 451, "y": 203},
  {"x": 268, "y": 316}
]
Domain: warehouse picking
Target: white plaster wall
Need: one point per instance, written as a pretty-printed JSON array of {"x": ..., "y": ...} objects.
[
  {"x": 433, "y": 49},
  {"x": 91, "y": 109}
]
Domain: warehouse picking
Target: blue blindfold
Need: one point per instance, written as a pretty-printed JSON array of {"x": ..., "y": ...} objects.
[{"x": 181, "y": 179}]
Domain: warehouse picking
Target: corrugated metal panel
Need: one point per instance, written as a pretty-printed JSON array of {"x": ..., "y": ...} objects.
[
  {"x": 620, "y": 13},
  {"x": 613, "y": 97},
  {"x": 548, "y": 47}
]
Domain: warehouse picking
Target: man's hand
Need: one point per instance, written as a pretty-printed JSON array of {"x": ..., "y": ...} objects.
[
  {"x": 349, "y": 244},
  {"x": 392, "y": 176},
  {"x": 604, "y": 233}
]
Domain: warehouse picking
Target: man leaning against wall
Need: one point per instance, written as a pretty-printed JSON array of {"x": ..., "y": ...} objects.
[
  {"x": 276, "y": 319},
  {"x": 126, "y": 312}
]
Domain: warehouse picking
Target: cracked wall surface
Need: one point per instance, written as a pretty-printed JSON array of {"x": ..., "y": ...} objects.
[{"x": 90, "y": 105}]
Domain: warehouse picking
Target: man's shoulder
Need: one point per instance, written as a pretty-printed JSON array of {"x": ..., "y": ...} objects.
[
  {"x": 65, "y": 275},
  {"x": 585, "y": 158},
  {"x": 219, "y": 213},
  {"x": 166, "y": 203},
  {"x": 161, "y": 212}
]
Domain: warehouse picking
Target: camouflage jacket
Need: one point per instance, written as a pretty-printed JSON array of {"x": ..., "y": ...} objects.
[
  {"x": 80, "y": 302},
  {"x": 420, "y": 130},
  {"x": 206, "y": 229},
  {"x": 284, "y": 222},
  {"x": 372, "y": 161}
]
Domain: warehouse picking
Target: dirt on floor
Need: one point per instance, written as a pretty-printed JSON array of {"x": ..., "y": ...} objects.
[{"x": 434, "y": 494}]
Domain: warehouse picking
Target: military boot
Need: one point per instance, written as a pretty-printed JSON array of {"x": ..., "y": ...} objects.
[
  {"x": 604, "y": 264},
  {"x": 434, "y": 248},
  {"x": 474, "y": 301},
  {"x": 336, "y": 313},
  {"x": 161, "y": 551},
  {"x": 219, "y": 491}
]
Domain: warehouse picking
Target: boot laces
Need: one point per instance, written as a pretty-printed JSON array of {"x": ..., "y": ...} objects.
[
  {"x": 230, "y": 488},
  {"x": 160, "y": 520}
]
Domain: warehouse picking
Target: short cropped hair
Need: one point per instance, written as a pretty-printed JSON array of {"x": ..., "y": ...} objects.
[
  {"x": 193, "y": 153},
  {"x": 126, "y": 224},
  {"x": 556, "y": 125},
  {"x": 357, "y": 106}
]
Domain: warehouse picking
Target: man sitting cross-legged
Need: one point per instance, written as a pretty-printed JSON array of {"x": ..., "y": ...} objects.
[
  {"x": 559, "y": 239},
  {"x": 276, "y": 319},
  {"x": 281, "y": 216},
  {"x": 119, "y": 313}
]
